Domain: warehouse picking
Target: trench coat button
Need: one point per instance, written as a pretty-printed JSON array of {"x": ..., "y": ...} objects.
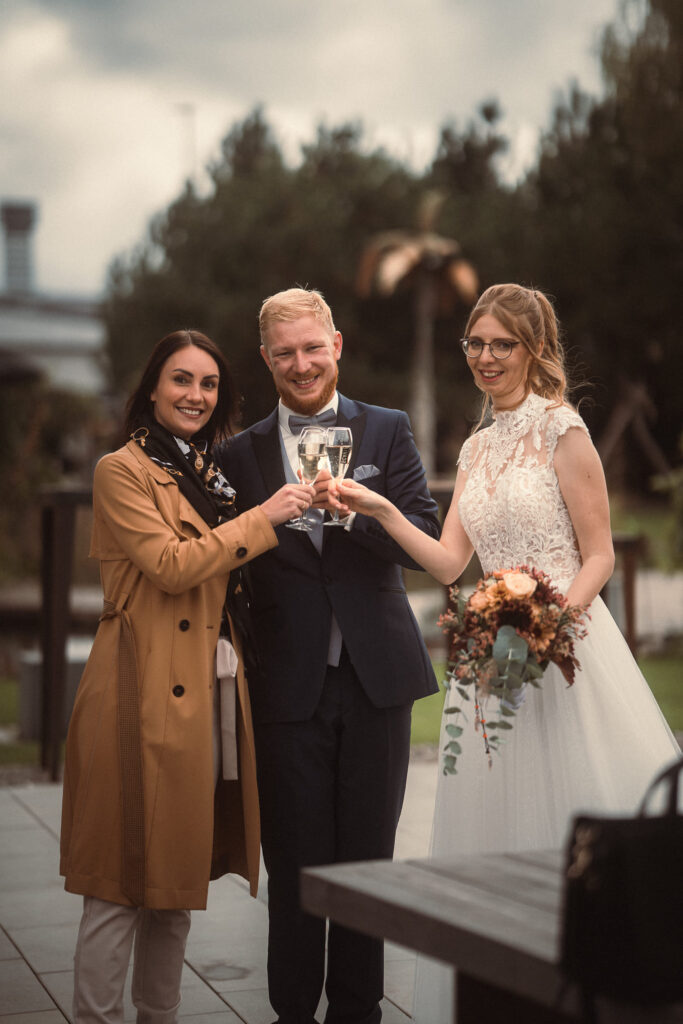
[
  {"x": 178, "y": 691},
  {"x": 241, "y": 552},
  {"x": 184, "y": 624}
]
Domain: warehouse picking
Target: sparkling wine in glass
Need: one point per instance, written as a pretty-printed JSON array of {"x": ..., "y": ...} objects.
[
  {"x": 312, "y": 452},
  {"x": 339, "y": 448}
]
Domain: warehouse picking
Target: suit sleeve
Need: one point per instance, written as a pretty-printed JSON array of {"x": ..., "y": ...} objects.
[
  {"x": 405, "y": 485},
  {"x": 124, "y": 504}
]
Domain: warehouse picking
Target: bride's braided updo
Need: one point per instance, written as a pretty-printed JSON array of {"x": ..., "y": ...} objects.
[{"x": 530, "y": 318}]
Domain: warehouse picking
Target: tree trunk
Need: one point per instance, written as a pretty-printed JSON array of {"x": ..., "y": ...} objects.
[{"x": 423, "y": 397}]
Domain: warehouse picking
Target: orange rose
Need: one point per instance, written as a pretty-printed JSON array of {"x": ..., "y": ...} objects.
[
  {"x": 519, "y": 584},
  {"x": 478, "y": 602}
]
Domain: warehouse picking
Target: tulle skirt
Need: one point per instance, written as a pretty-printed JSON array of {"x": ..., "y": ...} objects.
[{"x": 594, "y": 746}]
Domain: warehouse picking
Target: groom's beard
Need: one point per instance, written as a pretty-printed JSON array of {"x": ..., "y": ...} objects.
[{"x": 310, "y": 406}]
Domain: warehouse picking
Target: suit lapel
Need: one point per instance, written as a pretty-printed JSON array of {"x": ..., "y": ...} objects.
[{"x": 268, "y": 455}]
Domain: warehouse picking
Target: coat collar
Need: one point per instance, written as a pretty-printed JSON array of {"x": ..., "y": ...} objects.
[{"x": 186, "y": 511}]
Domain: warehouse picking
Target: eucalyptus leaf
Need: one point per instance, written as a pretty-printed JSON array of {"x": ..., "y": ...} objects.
[
  {"x": 449, "y": 765},
  {"x": 454, "y": 747},
  {"x": 451, "y": 711},
  {"x": 514, "y": 680},
  {"x": 463, "y": 693},
  {"x": 454, "y": 730},
  {"x": 503, "y": 725},
  {"x": 509, "y": 644},
  {"x": 507, "y": 711}
]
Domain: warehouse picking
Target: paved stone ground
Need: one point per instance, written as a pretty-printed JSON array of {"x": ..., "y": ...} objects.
[{"x": 224, "y": 981}]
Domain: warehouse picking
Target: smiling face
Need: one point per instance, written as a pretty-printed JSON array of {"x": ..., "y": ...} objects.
[
  {"x": 302, "y": 356},
  {"x": 186, "y": 393},
  {"x": 504, "y": 380}
]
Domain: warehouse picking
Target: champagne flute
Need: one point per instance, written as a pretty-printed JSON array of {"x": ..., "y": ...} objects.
[
  {"x": 311, "y": 449},
  {"x": 339, "y": 448}
]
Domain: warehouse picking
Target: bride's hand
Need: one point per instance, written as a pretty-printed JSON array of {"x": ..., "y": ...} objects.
[{"x": 359, "y": 498}]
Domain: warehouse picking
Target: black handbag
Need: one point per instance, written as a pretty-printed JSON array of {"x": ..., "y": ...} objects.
[{"x": 622, "y": 927}]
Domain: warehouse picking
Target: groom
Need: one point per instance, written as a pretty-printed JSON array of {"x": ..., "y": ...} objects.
[{"x": 342, "y": 661}]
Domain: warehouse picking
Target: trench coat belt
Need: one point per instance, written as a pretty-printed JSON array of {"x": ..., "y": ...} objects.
[{"x": 130, "y": 758}]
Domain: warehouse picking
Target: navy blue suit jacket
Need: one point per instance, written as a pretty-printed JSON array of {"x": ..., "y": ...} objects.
[{"x": 358, "y": 575}]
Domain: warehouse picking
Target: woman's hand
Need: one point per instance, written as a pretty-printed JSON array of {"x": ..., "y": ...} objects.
[
  {"x": 359, "y": 498},
  {"x": 287, "y": 503}
]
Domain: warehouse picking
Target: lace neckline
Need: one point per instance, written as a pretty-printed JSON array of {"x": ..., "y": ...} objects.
[{"x": 518, "y": 421}]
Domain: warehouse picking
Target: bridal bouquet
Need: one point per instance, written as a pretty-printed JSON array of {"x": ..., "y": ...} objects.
[{"x": 501, "y": 638}]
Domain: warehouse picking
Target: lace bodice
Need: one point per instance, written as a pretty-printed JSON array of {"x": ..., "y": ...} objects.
[{"x": 511, "y": 505}]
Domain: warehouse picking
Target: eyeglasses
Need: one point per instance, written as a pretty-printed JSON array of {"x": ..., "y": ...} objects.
[{"x": 500, "y": 348}]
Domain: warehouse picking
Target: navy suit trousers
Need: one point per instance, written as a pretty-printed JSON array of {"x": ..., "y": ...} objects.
[{"x": 322, "y": 804}]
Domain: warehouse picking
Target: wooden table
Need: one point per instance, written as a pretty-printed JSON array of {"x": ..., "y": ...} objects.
[{"x": 495, "y": 917}]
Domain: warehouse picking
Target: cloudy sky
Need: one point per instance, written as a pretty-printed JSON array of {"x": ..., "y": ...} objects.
[{"x": 107, "y": 105}]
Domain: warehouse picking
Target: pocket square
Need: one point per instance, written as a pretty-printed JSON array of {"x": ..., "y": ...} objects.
[{"x": 364, "y": 472}]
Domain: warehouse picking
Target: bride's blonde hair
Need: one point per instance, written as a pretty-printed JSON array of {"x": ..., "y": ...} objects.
[{"x": 529, "y": 317}]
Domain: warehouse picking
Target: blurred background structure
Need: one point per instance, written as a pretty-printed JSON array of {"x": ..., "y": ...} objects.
[
  {"x": 593, "y": 216},
  {"x": 56, "y": 337}
]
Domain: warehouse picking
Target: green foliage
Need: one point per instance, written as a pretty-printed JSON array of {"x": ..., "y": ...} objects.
[
  {"x": 672, "y": 484},
  {"x": 664, "y": 676},
  {"x": 43, "y": 433},
  {"x": 660, "y": 525},
  {"x": 605, "y": 201},
  {"x": 9, "y": 701},
  {"x": 211, "y": 262},
  {"x": 595, "y": 223}
]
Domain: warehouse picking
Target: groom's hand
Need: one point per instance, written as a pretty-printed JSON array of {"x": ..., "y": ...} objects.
[{"x": 326, "y": 495}]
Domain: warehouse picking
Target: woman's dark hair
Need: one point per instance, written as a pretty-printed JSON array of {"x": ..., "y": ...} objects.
[{"x": 140, "y": 406}]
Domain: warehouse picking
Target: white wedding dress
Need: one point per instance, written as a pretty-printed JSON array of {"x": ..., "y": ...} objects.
[{"x": 594, "y": 746}]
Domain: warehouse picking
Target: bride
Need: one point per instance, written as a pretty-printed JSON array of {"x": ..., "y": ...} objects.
[{"x": 530, "y": 490}]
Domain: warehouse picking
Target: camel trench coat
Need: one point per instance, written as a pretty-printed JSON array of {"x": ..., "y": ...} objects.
[{"x": 142, "y": 824}]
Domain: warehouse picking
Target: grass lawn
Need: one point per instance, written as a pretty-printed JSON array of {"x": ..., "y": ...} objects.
[
  {"x": 664, "y": 674},
  {"x": 16, "y": 752}
]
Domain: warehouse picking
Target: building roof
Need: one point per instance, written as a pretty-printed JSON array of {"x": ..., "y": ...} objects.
[{"x": 62, "y": 337}]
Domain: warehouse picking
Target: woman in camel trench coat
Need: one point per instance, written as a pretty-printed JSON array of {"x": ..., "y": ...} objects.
[{"x": 147, "y": 818}]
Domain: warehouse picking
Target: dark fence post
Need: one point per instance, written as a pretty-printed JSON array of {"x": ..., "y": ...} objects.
[
  {"x": 58, "y": 528},
  {"x": 628, "y": 548}
]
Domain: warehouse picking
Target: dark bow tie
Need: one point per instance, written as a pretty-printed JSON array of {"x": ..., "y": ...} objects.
[{"x": 328, "y": 418}]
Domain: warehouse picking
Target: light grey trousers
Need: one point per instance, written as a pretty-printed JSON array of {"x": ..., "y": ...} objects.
[{"x": 105, "y": 940}]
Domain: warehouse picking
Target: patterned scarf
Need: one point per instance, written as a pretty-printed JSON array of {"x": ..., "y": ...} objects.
[{"x": 190, "y": 464}]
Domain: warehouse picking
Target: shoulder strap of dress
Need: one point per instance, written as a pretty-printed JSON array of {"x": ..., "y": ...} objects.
[{"x": 558, "y": 420}]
